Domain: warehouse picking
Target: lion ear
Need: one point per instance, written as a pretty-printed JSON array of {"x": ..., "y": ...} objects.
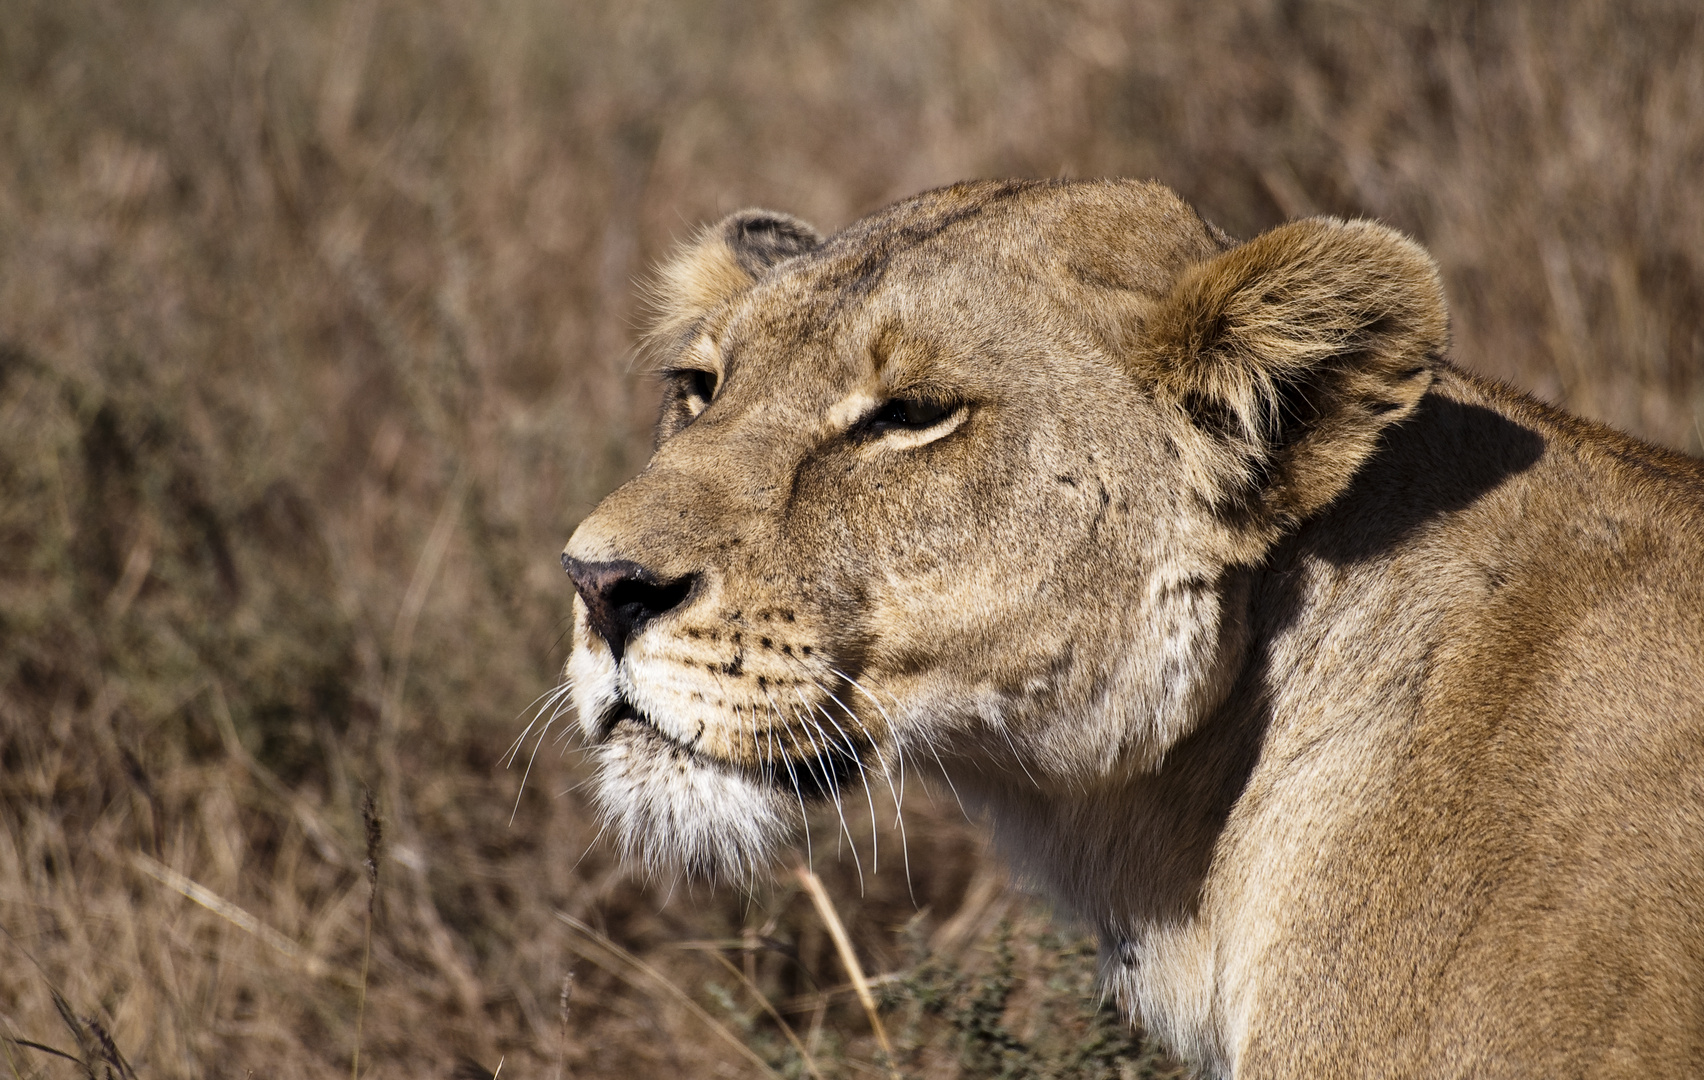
[
  {"x": 723, "y": 260},
  {"x": 1287, "y": 356}
]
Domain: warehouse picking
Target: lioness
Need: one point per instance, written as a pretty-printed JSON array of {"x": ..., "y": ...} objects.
[{"x": 1357, "y": 701}]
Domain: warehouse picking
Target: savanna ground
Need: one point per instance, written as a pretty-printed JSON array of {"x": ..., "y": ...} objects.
[{"x": 316, "y": 325}]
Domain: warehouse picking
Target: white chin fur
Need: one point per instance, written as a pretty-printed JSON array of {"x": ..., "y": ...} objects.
[
  {"x": 592, "y": 674},
  {"x": 673, "y": 812}
]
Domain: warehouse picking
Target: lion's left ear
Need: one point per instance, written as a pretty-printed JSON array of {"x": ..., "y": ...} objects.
[
  {"x": 722, "y": 261},
  {"x": 1287, "y": 356}
]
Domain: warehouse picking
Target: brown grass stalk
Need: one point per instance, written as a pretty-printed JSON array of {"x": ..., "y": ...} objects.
[
  {"x": 631, "y": 965},
  {"x": 231, "y": 913},
  {"x": 848, "y": 959},
  {"x": 769, "y": 1009}
]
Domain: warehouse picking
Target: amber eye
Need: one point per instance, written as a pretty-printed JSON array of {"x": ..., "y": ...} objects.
[{"x": 909, "y": 414}]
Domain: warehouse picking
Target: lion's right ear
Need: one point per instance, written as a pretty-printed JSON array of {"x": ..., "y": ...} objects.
[{"x": 723, "y": 260}]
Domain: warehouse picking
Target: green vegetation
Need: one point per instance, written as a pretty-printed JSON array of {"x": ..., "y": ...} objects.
[
  {"x": 1034, "y": 1016},
  {"x": 316, "y": 324}
]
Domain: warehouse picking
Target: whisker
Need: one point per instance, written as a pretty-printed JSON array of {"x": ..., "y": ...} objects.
[
  {"x": 839, "y": 808},
  {"x": 929, "y": 745},
  {"x": 828, "y": 784},
  {"x": 1017, "y": 756},
  {"x": 893, "y": 733},
  {"x": 551, "y": 699},
  {"x": 897, "y": 792},
  {"x": 769, "y": 736},
  {"x": 804, "y": 815},
  {"x": 594, "y": 843},
  {"x": 557, "y": 701},
  {"x": 567, "y": 683},
  {"x": 515, "y": 747},
  {"x": 532, "y": 758},
  {"x": 760, "y": 741},
  {"x": 863, "y": 777}
]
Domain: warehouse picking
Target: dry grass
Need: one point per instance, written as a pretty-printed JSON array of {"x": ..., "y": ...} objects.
[{"x": 314, "y": 332}]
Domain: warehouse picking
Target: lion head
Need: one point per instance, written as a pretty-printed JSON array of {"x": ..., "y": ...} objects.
[{"x": 968, "y": 488}]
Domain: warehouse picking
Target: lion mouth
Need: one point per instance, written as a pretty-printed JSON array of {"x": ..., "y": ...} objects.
[
  {"x": 624, "y": 711},
  {"x": 813, "y": 777},
  {"x": 615, "y": 714}
]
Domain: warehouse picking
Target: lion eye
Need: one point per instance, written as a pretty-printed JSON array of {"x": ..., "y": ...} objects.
[
  {"x": 702, "y": 385},
  {"x": 909, "y": 414},
  {"x": 697, "y": 387}
]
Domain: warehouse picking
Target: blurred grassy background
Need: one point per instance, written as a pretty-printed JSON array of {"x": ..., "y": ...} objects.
[{"x": 315, "y": 330}]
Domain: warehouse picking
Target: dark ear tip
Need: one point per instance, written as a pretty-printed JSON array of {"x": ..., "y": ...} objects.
[{"x": 761, "y": 238}]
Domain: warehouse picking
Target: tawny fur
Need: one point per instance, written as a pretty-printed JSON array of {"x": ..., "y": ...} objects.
[{"x": 1359, "y": 703}]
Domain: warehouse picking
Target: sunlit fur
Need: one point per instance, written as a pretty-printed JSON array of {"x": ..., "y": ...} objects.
[
  {"x": 1356, "y": 702},
  {"x": 671, "y": 812}
]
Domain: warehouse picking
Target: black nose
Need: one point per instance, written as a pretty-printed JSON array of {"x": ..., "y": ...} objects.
[{"x": 621, "y": 597}]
